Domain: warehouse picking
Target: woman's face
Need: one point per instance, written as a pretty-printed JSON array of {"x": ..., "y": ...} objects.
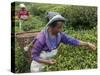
[
  {"x": 58, "y": 27},
  {"x": 23, "y": 8}
]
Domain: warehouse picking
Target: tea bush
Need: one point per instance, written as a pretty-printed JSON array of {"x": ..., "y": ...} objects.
[{"x": 78, "y": 17}]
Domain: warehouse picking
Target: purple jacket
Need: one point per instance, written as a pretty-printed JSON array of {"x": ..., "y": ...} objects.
[{"x": 42, "y": 43}]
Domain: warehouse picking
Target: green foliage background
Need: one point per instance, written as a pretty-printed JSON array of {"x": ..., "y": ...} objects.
[{"x": 81, "y": 22}]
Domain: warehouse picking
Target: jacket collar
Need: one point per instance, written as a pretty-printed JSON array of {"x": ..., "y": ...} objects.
[{"x": 47, "y": 41}]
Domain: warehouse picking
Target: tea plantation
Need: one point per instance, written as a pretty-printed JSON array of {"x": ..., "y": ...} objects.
[{"x": 81, "y": 23}]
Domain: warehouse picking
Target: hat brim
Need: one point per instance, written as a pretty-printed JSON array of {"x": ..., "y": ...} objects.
[{"x": 59, "y": 18}]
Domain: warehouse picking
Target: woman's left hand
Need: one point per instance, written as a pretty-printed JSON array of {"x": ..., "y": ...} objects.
[{"x": 92, "y": 46}]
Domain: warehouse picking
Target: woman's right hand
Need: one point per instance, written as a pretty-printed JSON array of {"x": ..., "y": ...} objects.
[{"x": 51, "y": 61}]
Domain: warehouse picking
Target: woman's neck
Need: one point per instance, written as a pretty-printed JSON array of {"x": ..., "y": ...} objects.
[{"x": 51, "y": 32}]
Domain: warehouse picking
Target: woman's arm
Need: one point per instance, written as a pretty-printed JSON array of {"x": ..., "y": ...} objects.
[
  {"x": 73, "y": 41},
  {"x": 66, "y": 39}
]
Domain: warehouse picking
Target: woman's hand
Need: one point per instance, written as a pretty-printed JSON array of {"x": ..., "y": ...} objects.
[
  {"x": 92, "y": 46},
  {"x": 51, "y": 61},
  {"x": 87, "y": 44}
]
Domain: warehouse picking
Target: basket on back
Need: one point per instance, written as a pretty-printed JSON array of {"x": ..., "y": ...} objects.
[{"x": 24, "y": 38}]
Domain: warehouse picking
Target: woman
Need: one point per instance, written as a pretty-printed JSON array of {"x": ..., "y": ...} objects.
[
  {"x": 47, "y": 41},
  {"x": 22, "y": 13}
]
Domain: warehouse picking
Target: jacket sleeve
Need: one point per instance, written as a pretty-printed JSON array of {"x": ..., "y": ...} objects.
[
  {"x": 36, "y": 50},
  {"x": 69, "y": 40},
  {"x": 38, "y": 46}
]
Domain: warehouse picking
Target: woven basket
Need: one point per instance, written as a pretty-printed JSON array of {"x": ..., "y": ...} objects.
[{"x": 24, "y": 38}]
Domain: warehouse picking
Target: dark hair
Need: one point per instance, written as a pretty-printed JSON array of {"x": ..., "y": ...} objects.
[{"x": 54, "y": 24}]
